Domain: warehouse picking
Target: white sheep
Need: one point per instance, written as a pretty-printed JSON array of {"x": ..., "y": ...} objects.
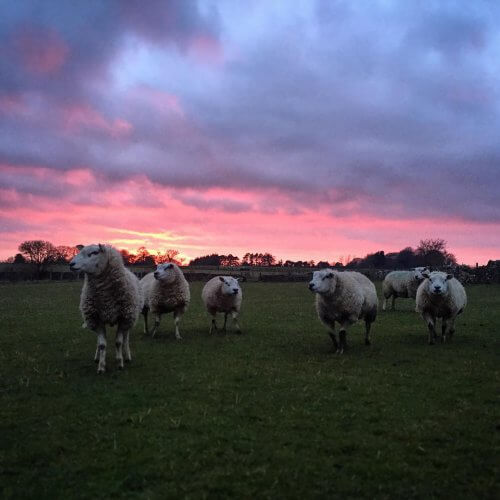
[
  {"x": 440, "y": 296},
  {"x": 111, "y": 295},
  {"x": 223, "y": 294},
  {"x": 345, "y": 297},
  {"x": 401, "y": 284},
  {"x": 165, "y": 291}
]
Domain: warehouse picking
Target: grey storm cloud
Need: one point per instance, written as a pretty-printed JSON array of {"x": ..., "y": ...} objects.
[{"x": 391, "y": 105}]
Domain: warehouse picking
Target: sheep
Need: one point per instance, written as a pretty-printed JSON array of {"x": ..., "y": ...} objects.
[
  {"x": 344, "y": 297},
  {"x": 111, "y": 295},
  {"x": 165, "y": 291},
  {"x": 223, "y": 294},
  {"x": 401, "y": 284},
  {"x": 440, "y": 295}
]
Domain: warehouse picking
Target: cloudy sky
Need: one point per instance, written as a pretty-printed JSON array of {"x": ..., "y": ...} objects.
[{"x": 310, "y": 129}]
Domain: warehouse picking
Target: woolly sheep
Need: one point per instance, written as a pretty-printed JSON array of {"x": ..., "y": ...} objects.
[
  {"x": 223, "y": 294},
  {"x": 165, "y": 291},
  {"x": 111, "y": 295},
  {"x": 401, "y": 284},
  {"x": 345, "y": 297},
  {"x": 440, "y": 295}
]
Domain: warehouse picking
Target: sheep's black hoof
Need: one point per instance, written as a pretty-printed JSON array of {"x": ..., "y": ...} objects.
[{"x": 367, "y": 342}]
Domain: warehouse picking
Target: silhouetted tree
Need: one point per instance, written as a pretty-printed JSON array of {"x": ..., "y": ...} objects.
[
  {"x": 229, "y": 260},
  {"x": 128, "y": 258},
  {"x": 206, "y": 260},
  {"x": 38, "y": 252},
  {"x": 434, "y": 253},
  {"x": 19, "y": 259},
  {"x": 144, "y": 258},
  {"x": 322, "y": 264},
  {"x": 169, "y": 256},
  {"x": 65, "y": 253},
  {"x": 406, "y": 258}
]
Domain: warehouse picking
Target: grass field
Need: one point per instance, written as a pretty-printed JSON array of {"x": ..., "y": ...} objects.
[{"x": 268, "y": 414}]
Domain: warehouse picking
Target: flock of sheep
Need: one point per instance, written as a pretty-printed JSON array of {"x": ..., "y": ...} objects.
[{"x": 112, "y": 295}]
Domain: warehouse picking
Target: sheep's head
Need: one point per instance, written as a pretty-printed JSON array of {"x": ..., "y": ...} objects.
[
  {"x": 437, "y": 282},
  {"x": 229, "y": 285},
  {"x": 92, "y": 259},
  {"x": 418, "y": 273},
  {"x": 165, "y": 272},
  {"x": 323, "y": 281}
]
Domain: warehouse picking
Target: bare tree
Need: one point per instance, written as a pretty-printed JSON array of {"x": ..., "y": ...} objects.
[
  {"x": 434, "y": 253},
  {"x": 169, "y": 256},
  {"x": 38, "y": 252},
  {"x": 65, "y": 253}
]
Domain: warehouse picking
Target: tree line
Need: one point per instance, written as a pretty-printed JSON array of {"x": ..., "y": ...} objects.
[{"x": 429, "y": 252}]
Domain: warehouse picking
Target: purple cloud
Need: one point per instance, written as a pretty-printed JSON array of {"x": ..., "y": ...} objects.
[{"x": 386, "y": 108}]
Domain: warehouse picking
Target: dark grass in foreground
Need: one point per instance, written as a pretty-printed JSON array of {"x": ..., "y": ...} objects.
[{"x": 270, "y": 413}]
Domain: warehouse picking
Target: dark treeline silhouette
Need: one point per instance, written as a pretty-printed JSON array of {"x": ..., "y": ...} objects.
[{"x": 430, "y": 252}]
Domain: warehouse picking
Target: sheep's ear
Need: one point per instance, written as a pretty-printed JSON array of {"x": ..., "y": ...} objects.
[
  {"x": 221, "y": 278},
  {"x": 329, "y": 275},
  {"x": 101, "y": 248},
  {"x": 425, "y": 273},
  {"x": 449, "y": 276}
]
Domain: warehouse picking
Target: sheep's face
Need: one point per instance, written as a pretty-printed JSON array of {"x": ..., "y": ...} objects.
[
  {"x": 417, "y": 273},
  {"x": 323, "y": 281},
  {"x": 229, "y": 285},
  {"x": 165, "y": 272},
  {"x": 91, "y": 260},
  {"x": 438, "y": 282}
]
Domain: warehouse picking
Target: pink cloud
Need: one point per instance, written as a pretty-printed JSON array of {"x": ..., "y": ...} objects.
[
  {"x": 81, "y": 116},
  {"x": 42, "y": 51},
  {"x": 159, "y": 100},
  {"x": 114, "y": 213},
  {"x": 207, "y": 49}
]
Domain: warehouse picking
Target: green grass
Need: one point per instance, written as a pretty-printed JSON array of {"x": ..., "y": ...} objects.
[{"x": 268, "y": 414}]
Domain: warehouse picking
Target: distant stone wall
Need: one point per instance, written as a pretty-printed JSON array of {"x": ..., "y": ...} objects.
[{"x": 61, "y": 272}]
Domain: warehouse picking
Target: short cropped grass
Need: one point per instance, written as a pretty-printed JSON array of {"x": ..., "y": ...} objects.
[{"x": 268, "y": 414}]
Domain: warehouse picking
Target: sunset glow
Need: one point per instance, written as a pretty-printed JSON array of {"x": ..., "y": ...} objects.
[{"x": 318, "y": 132}]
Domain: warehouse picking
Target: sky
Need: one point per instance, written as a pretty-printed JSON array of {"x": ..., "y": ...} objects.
[{"x": 308, "y": 129}]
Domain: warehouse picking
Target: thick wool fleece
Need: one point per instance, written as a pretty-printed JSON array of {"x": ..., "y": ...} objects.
[
  {"x": 354, "y": 297},
  {"x": 216, "y": 302},
  {"x": 112, "y": 297},
  {"x": 162, "y": 297}
]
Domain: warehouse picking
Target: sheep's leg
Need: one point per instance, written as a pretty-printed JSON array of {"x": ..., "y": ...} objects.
[
  {"x": 342, "y": 340},
  {"x": 177, "y": 319},
  {"x": 101, "y": 349},
  {"x": 334, "y": 339},
  {"x": 213, "y": 325},
  {"x": 393, "y": 307},
  {"x": 447, "y": 329},
  {"x": 126, "y": 346},
  {"x": 145, "y": 314},
  {"x": 157, "y": 323},
  {"x": 430, "y": 322},
  {"x": 225, "y": 321},
  {"x": 119, "y": 348},
  {"x": 234, "y": 315},
  {"x": 368, "y": 326},
  {"x": 384, "y": 304}
]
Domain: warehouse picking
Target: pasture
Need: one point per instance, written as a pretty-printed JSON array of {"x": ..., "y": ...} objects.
[{"x": 268, "y": 414}]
